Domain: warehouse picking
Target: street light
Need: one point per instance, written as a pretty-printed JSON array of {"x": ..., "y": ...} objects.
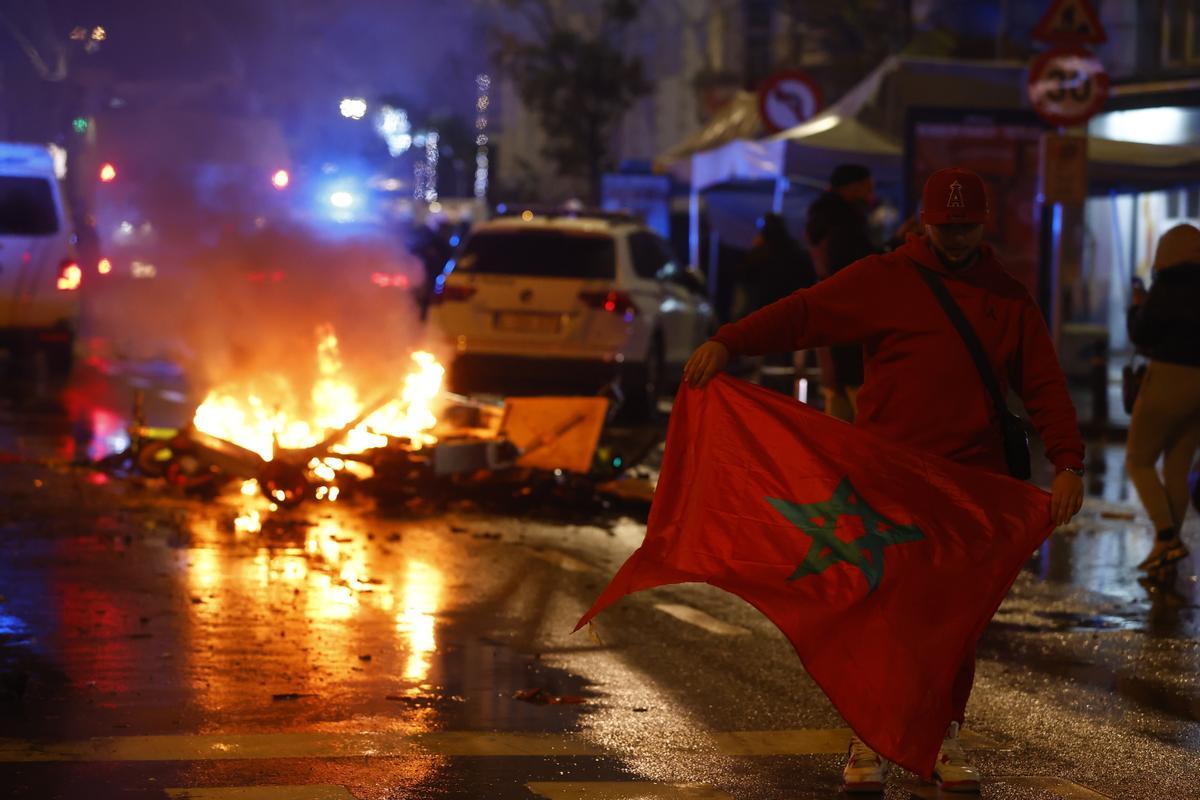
[
  {"x": 281, "y": 179},
  {"x": 341, "y": 199},
  {"x": 353, "y": 107}
]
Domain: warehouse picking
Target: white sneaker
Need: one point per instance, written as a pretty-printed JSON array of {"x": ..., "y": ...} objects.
[
  {"x": 866, "y": 770},
  {"x": 952, "y": 771}
]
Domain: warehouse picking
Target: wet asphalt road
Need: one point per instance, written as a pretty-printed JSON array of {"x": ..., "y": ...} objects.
[{"x": 150, "y": 648}]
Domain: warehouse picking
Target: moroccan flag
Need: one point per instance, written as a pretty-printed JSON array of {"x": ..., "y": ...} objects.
[{"x": 881, "y": 565}]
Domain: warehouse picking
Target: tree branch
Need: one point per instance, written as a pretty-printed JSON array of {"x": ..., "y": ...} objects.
[{"x": 59, "y": 71}]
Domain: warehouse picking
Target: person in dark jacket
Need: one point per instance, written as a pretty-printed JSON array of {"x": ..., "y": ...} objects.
[
  {"x": 1165, "y": 326},
  {"x": 776, "y": 265},
  {"x": 839, "y": 233}
]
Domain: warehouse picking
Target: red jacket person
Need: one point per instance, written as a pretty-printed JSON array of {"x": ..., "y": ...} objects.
[{"x": 922, "y": 387}]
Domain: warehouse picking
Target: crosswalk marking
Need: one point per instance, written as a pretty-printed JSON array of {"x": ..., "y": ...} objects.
[
  {"x": 211, "y": 747},
  {"x": 811, "y": 741},
  {"x": 625, "y": 790},
  {"x": 218, "y": 747},
  {"x": 694, "y": 616},
  {"x": 563, "y": 561},
  {"x": 635, "y": 790},
  {"x": 319, "y": 744},
  {"x": 314, "y": 792},
  {"x": 1058, "y": 787},
  {"x": 451, "y": 743}
]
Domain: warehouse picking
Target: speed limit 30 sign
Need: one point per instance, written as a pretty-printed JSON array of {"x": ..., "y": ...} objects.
[{"x": 1067, "y": 86}]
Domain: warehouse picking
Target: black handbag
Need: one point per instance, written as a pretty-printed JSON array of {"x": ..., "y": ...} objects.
[
  {"x": 1132, "y": 376},
  {"x": 1012, "y": 427}
]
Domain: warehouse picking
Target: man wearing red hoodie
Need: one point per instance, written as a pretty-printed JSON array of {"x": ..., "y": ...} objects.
[{"x": 922, "y": 387}]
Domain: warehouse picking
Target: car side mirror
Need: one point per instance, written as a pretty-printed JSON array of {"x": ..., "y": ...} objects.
[
  {"x": 692, "y": 279},
  {"x": 689, "y": 278}
]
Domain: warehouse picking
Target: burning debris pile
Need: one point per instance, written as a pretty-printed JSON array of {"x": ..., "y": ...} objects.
[{"x": 408, "y": 445}]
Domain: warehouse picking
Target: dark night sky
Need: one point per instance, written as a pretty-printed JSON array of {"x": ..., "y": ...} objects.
[{"x": 291, "y": 59}]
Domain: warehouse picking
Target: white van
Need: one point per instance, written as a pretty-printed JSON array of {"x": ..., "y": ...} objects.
[{"x": 39, "y": 278}]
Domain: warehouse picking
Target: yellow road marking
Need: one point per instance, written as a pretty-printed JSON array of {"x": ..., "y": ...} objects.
[
  {"x": 694, "y": 616},
  {"x": 316, "y": 792},
  {"x": 815, "y": 741},
  {"x": 625, "y": 790}
]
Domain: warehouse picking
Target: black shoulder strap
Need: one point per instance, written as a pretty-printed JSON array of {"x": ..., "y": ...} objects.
[{"x": 968, "y": 336}]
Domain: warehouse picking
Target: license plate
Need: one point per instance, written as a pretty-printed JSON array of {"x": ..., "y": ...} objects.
[{"x": 518, "y": 322}]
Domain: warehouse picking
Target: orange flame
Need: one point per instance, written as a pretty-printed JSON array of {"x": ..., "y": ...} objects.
[{"x": 256, "y": 422}]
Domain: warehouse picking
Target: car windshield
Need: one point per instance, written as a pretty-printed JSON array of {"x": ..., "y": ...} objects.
[
  {"x": 543, "y": 253},
  {"x": 26, "y": 207}
]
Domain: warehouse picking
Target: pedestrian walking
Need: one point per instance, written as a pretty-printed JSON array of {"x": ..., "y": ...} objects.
[
  {"x": 839, "y": 233},
  {"x": 924, "y": 385},
  {"x": 1164, "y": 324}
]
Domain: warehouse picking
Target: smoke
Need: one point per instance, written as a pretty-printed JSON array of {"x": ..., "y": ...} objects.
[{"x": 250, "y": 308}]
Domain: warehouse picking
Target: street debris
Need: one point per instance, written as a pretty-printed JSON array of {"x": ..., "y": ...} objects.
[
  {"x": 543, "y": 698},
  {"x": 290, "y": 696},
  {"x": 528, "y": 454}
]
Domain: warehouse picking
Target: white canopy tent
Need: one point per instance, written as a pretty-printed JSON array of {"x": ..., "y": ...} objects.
[
  {"x": 868, "y": 126},
  {"x": 739, "y": 119}
]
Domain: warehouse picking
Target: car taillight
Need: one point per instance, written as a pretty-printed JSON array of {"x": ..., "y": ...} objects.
[
  {"x": 387, "y": 279},
  {"x": 612, "y": 302},
  {"x": 69, "y": 276},
  {"x": 447, "y": 293}
]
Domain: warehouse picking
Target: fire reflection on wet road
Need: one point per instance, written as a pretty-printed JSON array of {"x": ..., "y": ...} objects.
[
  {"x": 314, "y": 604},
  {"x": 227, "y": 643}
]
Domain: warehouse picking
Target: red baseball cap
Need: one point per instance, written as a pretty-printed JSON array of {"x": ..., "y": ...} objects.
[{"x": 954, "y": 195}]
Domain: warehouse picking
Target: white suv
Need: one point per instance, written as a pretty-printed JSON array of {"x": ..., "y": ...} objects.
[{"x": 567, "y": 301}]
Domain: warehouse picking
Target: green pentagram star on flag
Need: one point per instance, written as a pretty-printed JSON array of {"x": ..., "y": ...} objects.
[{"x": 819, "y": 520}]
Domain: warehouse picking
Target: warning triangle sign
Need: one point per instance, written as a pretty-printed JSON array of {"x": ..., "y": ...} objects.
[{"x": 1070, "y": 22}]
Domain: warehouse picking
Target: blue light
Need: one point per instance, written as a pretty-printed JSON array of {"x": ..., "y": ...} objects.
[
  {"x": 450, "y": 265},
  {"x": 502, "y": 209},
  {"x": 454, "y": 240},
  {"x": 617, "y": 462},
  {"x": 439, "y": 283}
]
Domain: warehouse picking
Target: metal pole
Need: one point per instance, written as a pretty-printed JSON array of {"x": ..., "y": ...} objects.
[
  {"x": 714, "y": 262},
  {"x": 1056, "y": 259},
  {"x": 694, "y": 228}
]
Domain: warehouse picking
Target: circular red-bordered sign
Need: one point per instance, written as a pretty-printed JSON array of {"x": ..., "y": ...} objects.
[
  {"x": 788, "y": 98},
  {"x": 1067, "y": 85}
]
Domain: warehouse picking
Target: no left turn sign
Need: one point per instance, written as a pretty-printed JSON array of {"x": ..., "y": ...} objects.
[
  {"x": 787, "y": 99},
  {"x": 1067, "y": 86}
]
